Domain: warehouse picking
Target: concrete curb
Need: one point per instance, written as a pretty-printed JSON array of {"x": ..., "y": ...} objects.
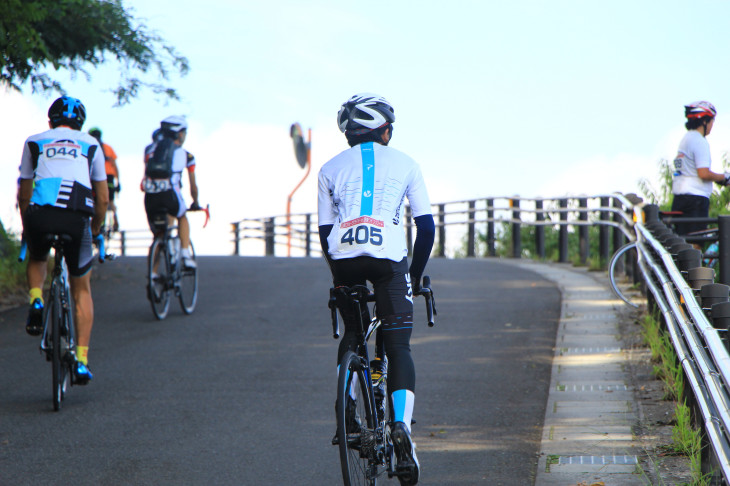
[{"x": 587, "y": 434}]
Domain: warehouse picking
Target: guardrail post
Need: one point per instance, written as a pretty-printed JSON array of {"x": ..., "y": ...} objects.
[
  {"x": 583, "y": 245},
  {"x": 442, "y": 230},
  {"x": 491, "y": 241},
  {"x": 123, "y": 242},
  {"x": 269, "y": 233},
  {"x": 539, "y": 230},
  {"x": 723, "y": 225},
  {"x": 470, "y": 252},
  {"x": 308, "y": 235},
  {"x": 603, "y": 250},
  {"x": 618, "y": 237},
  {"x": 236, "y": 238},
  {"x": 563, "y": 233},
  {"x": 516, "y": 229}
]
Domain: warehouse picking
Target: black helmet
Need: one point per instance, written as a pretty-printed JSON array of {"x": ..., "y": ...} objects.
[
  {"x": 364, "y": 112},
  {"x": 95, "y": 132},
  {"x": 67, "y": 111}
]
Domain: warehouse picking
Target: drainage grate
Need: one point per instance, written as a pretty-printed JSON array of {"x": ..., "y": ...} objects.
[{"x": 598, "y": 460}]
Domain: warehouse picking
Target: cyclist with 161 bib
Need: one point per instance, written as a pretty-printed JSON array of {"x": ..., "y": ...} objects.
[
  {"x": 58, "y": 170},
  {"x": 361, "y": 196}
]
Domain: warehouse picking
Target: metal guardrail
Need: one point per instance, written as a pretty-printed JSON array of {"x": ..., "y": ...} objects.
[
  {"x": 608, "y": 212},
  {"x": 695, "y": 311}
]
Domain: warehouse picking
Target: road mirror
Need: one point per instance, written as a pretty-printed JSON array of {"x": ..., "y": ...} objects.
[{"x": 300, "y": 146}]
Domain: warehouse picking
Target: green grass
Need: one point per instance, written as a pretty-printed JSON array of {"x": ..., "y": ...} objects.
[{"x": 686, "y": 439}]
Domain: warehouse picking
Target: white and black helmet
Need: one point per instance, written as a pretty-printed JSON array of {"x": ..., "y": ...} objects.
[
  {"x": 174, "y": 123},
  {"x": 364, "y": 112}
]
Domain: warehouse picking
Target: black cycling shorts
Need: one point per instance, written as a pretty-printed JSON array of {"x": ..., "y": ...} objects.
[
  {"x": 167, "y": 202},
  {"x": 393, "y": 293},
  {"x": 39, "y": 221},
  {"x": 111, "y": 183},
  {"x": 692, "y": 206}
]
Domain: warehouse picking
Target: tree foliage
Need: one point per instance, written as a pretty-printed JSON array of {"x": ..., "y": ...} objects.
[{"x": 36, "y": 35}]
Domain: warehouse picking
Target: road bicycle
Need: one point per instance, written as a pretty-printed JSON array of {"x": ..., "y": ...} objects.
[
  {"x": 58, "y": 341},
  {"x": 364, "y": 424},
  {"x": 166, "y": 273}
]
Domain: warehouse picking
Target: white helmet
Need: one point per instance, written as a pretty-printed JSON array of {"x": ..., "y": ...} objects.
[
  {"x": 174, "y": 123},
  {"x": 700, "y": 109},
  {"x": 364, "y": 112}
]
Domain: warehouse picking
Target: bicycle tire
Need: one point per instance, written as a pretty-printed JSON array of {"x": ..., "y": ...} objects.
[
  {"x": 188, "y": 286},
  {"x": 357, "y": 450},
  {"x": 57, "y": 364},
  {"x": 612, "y": 272},
  {"x": 158, "y": 289}
]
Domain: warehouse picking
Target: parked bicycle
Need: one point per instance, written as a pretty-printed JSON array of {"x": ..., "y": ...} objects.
[
  {"x": 58, "y": 341},
  {"x": 166, "y": 273},
  {"x": 364, "y": 424}
]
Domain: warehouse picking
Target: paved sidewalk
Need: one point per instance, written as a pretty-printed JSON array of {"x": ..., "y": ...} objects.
[{"x": 587, "y": 434}]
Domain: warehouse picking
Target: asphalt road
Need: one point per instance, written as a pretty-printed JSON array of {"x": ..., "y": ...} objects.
[{"x": 242, "y": 392}]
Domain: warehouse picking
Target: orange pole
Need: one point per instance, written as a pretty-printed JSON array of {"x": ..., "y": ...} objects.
[{"x": 288, "y": 202}]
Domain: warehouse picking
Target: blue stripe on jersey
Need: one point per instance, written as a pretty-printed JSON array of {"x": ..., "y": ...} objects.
[
  {"x": 368, "y": 179},
  {"x": 46, "y": 191}
]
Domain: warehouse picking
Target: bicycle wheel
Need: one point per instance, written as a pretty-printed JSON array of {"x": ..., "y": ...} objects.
[
  {"x": 56, "y": 356},
  {"x": 356, "y": 426},
  {"x": 158, "y": 288},
  {"x": 188, "y": 292}
]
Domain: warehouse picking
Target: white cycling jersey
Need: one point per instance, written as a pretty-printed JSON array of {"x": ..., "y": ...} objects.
[
  {"x": 181, "y": 160},
  {"x": 361, "y": 193},
  {"x": 693, "y": 153},
  {"x": 63, "y": 163}
]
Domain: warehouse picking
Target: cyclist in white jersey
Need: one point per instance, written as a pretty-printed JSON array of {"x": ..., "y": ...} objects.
[
  {"x": 692, "y": 178},
  {"x": 361, "y": 201},
  {"x": 58, "y": 170},
  {"x": 165, "y": 194}
]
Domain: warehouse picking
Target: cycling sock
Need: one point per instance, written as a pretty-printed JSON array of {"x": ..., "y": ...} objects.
[
  {"x": 82, "y": 354},
  {"x": 36, "y": 293},
  {"x": 403, "y": 406},
  {"x": 186, "y": 253}
]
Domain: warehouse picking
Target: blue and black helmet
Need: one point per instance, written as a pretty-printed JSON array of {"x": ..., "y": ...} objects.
[{"x": 67, "y": 111}]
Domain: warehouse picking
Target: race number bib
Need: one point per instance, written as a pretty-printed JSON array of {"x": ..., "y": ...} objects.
[
  {"x": 153, "y": 186},
  {"x": 363, "y": 234}
]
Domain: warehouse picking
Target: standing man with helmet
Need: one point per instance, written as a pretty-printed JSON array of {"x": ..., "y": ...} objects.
[
  {"x": 112, "y": 174},
  {"x": 165, "y": 161},
  {"x": 692, "y": 177},
  {"x": 58, "y": 170},
  {"x": 361, "y": 195}
]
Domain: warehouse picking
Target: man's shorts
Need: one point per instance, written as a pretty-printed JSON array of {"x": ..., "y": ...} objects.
[
  {"x": 390, "y": 280},
  {"x": 111, "y": 182},
  {"x": 167, "y": 202},
  {"x": 692, "y": 206},
  {"x": 39, "y": 221}
]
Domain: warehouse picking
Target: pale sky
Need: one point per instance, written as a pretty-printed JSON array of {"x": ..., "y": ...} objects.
[{"x": 528, "y": 98}]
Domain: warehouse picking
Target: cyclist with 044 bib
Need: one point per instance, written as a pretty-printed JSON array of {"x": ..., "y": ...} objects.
[
  {"x": 165, "y": 161},
  {"x": 360, "y": 205},
  {"x": 58, "y": 170}
]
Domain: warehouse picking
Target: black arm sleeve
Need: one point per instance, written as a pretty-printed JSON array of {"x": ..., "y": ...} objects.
[
  {"x": 425, "y": 233},
  {"x": 324, "y": 232}
]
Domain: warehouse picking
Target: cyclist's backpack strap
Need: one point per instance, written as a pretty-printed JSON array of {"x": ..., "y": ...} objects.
[{"x": 159, "y": 165}]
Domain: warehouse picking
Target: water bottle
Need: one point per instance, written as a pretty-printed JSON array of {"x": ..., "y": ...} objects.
[{"x": 172, "y": 247}]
